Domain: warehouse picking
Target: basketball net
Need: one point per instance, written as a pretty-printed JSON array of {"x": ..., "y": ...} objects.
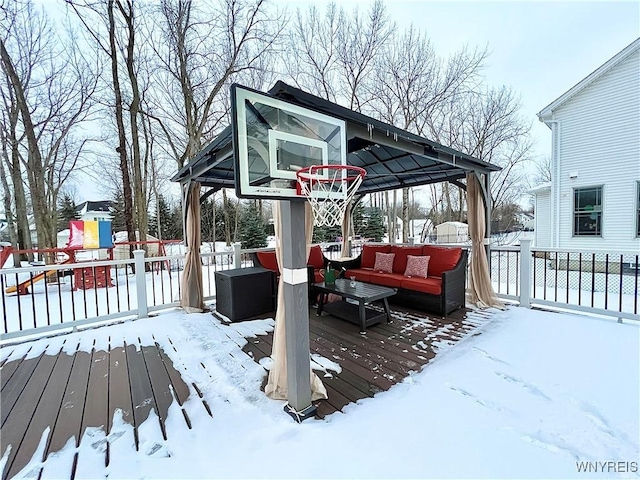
[{"x": 329, "y": 189}]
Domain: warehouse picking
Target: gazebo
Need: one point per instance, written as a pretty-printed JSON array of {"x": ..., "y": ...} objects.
[{"x": 392, "y": 158}]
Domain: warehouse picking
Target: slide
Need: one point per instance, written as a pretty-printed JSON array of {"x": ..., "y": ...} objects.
[{"x": 22, "y": 288}]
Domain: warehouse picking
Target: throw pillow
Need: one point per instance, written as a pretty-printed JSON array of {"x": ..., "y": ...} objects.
[
  {"x": 384, "y": 262},
  {"x": 417, "y": 266}
]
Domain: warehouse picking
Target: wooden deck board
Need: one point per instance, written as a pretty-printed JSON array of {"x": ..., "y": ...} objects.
[
  {"x": 180, "y": 388},
  {"x": 8, "y": 369},
  {"x": 12, "y": 390},
  {"x": 159, "y": 379},
  {"x": 119, "y": 390},
  {"x": 14, "y": 430},
  {"x": 375, "y": 352},
  {"x": 141, "y": 392},
  {"x": 46, "y": 411},
  {"x": 97, "y": 398},
  {"x": 69, "y": 420}
]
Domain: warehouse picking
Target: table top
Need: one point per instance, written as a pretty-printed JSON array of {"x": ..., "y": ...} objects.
[
  {"x": 241, "y": 272},
  {"x": 362, "y": 291}
]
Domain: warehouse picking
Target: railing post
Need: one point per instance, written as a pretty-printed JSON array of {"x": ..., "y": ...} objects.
[
  {"x": 237, "y": 256},
  {"x": 525, "y": 273},
  {"x": 141, "y": 283}
]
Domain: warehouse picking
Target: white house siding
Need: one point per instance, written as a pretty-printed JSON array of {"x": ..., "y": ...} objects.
[
  {"x": 543, "y": 217},
  {"x": 600, "y": 141}
]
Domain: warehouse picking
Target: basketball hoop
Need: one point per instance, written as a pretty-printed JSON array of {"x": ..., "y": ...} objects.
[{"x": 329, "y": 189}]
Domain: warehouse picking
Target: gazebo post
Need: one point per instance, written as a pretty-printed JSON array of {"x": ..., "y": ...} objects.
[
  {"x": 186, "y": 198},
  {"x": 296, "y": 321},
  {"x": 487, "y": 217}
]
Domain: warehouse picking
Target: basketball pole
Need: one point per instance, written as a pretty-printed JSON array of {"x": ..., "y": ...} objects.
[{"x": 296, "y": 301}]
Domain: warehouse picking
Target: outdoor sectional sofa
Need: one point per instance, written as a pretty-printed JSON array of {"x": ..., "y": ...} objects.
[{"x": 441, "y": 292}]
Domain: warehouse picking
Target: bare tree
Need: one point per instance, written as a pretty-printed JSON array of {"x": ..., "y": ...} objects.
[
  {"x": 335, "y": 53},
  {"x": 18, "y": 222},
  {"x": 53, "y": 87},
  {"x": 412, "y": 84},
  {"x": 543, "y": 172},
  {"x": 117, "y": 29},
  {"x": 313, "y": 46},
  {"x": 498, "y": 134},
  {"x": 200, "y": 51}
]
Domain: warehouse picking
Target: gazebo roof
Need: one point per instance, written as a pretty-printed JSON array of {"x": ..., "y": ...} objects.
[{"x": 392, "y": 157}]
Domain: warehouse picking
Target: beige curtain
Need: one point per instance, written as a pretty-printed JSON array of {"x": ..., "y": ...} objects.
[
  {"x": 482, "y": 293},
  {"x": 192, "y": 299},
  {"x": 276, "y": 387},
  {"x": 346, "y": 228}
]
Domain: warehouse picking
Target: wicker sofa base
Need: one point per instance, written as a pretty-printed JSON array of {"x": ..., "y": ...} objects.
[{"x": 426, "y": 302}]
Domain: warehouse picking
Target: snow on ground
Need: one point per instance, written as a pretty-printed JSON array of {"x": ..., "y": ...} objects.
[{"x": 531, "y": 396}]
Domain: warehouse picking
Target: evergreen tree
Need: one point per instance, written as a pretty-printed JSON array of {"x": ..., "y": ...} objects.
[
  {"x": 66, "y": 211},
  {"x": 252, "y": 230},
  {"x": 375, "y": 226},
  {"x": 208, "y": 212},
  {"x": 326, "y": 234},
  {"x": 117, "y": 213},
  {"x": 226, "y": 214},
  {"x": 358, "y": 219},
  {"x": 163, "y": 214},
  {"x": 174, "y": 224}
]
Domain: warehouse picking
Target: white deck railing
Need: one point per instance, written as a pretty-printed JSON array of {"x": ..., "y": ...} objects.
[{"x": 598, "y": 282}]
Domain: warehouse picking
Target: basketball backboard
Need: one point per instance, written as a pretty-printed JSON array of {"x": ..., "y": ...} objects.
[{"x": 272, "y": 139}]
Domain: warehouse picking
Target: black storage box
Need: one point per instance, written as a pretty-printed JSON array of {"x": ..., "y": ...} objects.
[{"x": 244, "y": 292}]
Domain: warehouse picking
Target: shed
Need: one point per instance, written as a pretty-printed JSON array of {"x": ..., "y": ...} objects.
[
  {"x": 452, "y": 232},
  {"x": 121, "y": 252}
]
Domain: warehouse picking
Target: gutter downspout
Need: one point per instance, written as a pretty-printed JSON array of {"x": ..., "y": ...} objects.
[{"x": 555, "y": 180}]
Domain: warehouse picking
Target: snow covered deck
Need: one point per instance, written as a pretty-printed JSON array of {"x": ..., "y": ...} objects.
[
  {"x": 62, "y": 391},
  {"x": 372, "y": 363},
  {"x": 70, "y": 390}
]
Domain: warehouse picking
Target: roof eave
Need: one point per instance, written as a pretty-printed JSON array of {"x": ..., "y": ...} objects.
[{"x": 547, "y": 112}]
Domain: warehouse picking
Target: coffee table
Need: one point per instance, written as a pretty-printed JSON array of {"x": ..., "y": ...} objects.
[{"x": 363, "y": 293}]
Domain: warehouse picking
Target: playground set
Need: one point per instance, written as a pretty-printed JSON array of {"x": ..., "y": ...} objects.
[{"x": 83, "y": 236}]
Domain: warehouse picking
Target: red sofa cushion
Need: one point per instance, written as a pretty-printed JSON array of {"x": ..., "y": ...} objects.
[
  {"x": 442, "y": 258},
  {"x": 432, "y": 285},
  {"x": 318, "y": 276},
  {"x": 368, "y": 257},
  {"x": 361, "y": 274},
  {"x": 400, "y": 260},
  {"x": 386, "y": 279},
  {"x": 316, "y": 258},
  {"x": 268, "y": 260}
]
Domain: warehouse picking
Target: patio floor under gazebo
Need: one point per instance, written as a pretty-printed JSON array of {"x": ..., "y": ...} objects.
[{"x": 70, "y": 390}]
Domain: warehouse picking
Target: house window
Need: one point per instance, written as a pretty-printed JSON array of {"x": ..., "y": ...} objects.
[
  {"x": 638, "y": 210},
  {"x": 587, "y": 211}
]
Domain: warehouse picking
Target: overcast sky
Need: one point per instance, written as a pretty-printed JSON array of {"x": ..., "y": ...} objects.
[{"x": 540, "y": 49}]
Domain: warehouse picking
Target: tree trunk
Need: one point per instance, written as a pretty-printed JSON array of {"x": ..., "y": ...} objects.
[
  {"x": 140, "y": 197},
  {"x": 122, "y": 145},
  {"x": 447, "y": 193},
  {"x": 405, "y": 215},
  {"x": 44, "y": 230},
  {"x": 394, "y": 215},
  {"x": 227, "y": 220},
  {"x": 6, "y": 201},
  {"x": 21, "y": 227},
  {"x": 389, "y": 214}
]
